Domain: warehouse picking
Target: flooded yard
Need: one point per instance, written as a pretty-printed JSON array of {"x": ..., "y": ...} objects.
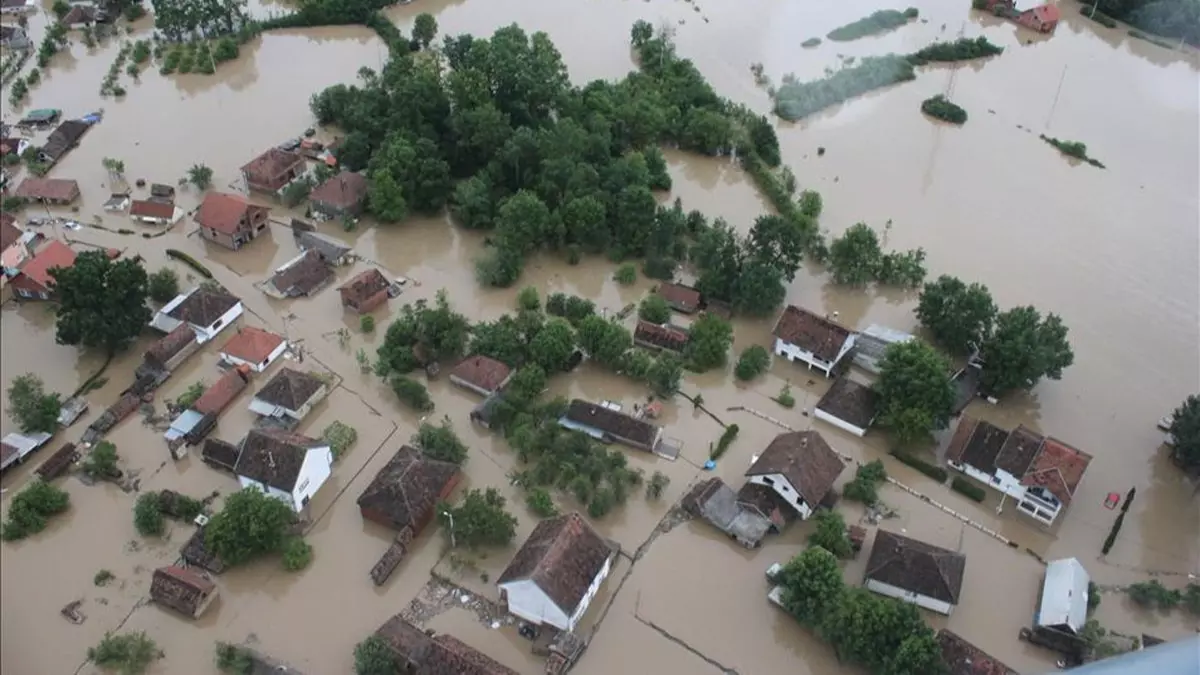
[{"x": 1115, "y": 252}]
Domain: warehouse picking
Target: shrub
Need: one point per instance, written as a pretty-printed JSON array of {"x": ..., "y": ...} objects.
[
  {"x": 130, "y": 654},
  {"x": 968, "y": 489},
  {"x": 831, "y": 534},
  {"x": 723, "y": 444},
  {"x": 102, "y": 578},
  {"x": 1153, "y": 595},
  {"x": 602, "y": 502},
  {"x": 754, "y": 361},
  {"x": 1072, "y": 149},
  {"x": 101, "y": 462},
  {"x": 190, "y": 395},
  {"x": 935, "y": 472},
  {"x": 864, "y": 487},
  {"x": 374, "y": 656},
  {"x": 1191, "y": 598},
  {"x": 31, "y": 508},
  {"x": 654, "y": 309},
  {"x": 340, "y": 437},
  {"x": 226, "y": 50},
  {"x": 1093, "y": 597},
  {"x": 147, "y": 515},
  {"x": 234, "y": 660},
  {"x": 366, "y": 323},
  {"x": 657, "y": 485},
  {"x": 878, "y": 22},
  {"x": 785, "y": 397},
  {"x": 941, "y": 108},
  {"x": 811, "y": 42},
  {"x": 540, "y": 502},
  {"x": 412, "y": 393},
  {"x": 190, "y": 262},
  {"x": 1112, "y": 534},
  {"x": 528, "y": 300},
  {"x": 134, "y": 11},
  {"x": 626, "y": 274},
  {"x": 440, "y": 442},
  {"x": 297, "y": 554},
  {"x": 163, "y": 285}
]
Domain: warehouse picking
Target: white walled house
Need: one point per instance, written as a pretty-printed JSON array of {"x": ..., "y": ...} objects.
[
  {"x": 913, "y": 571},
  {"x": 153, "y": 212},
  {"x": 207, "y": 312},
  {"x": 284, "y": 465},
  {"x": 817, "y": 341},
  {"x": 849, "y": 406},
  {"x": 253, "y": 347},
  {"x": 291, "y": 393},
  {"x": 1040, "y": 473},
  {"x": 557, "y": 572},
  {"x": 800, "y": 467}
]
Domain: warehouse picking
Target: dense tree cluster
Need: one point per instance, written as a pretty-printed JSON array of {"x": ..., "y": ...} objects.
[
  {"x": 479, "y": 520},
  {"x": 102, "y": 302},
  {"x": 440, "y": 442},
  {"x": 1169, "y": 18},
  {"x": 856, "y": 259},
  {"x": 251, "y": 524},
  {"x": 916, "y": 396},
  {"x": 1185, "y": 434},
  {"x": 422, "y": 334},
  {"x": 958, "y": 316},
  {"x": 882, "y": 634},
  {"x": 31, "y": 407},
  {"x": 182, "y": 19}
]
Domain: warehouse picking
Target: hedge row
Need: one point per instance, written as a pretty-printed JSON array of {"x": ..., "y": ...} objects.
[
  {"x": 935, "y": 472},
  {"x": 190, "y": 262},
  {"x": 968, "y": 489},
  {"x": 731, "y": 433}
]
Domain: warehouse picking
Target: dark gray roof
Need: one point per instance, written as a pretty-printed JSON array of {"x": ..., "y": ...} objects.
[
  {"x": 203, "y": 307},
  {"x": 290, "y": 388},
  {"x": 850, "y": 402},
  {"x": 562, "y": 556},
  {"x": 274, "y": 458},
  {"x": 915, "y": 566},
  {"x": 406, "y": 489},
  {"x": 805, "y": 459}
]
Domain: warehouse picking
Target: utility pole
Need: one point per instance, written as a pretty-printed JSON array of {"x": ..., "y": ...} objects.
[{"x": 450, "y": 515}]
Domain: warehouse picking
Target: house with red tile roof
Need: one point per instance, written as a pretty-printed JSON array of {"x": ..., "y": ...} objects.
[
  {"x": 365, "y": 291},
  {"x": 963, "y": 658},
  {"x": 1043, "y": 18},
  {"x": 33, "y": 281},
  {"x": 57, "y": 191},
  {"x": 481, "y": 374},
  {"x": 154, "y": 212},
  {"x": 273, "y": 170},
  {"x": 253, "y": 347},
  {"x": 230, "y": 220},
  {"x": 801, "y": 335},
  {"x": 1041, "y": 473},
  {"x": 186, "y": 590},
  {"x": 340, "y": 196}
]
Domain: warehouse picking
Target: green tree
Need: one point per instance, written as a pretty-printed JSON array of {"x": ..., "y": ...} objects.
[
  {"x": 754, "y": 361},
  {"x": 440, "y": 442},
  {"x": 425, "y": 29},
  {"x": 854, "y": 257},
  {"x": 586, "y": 224},
  {"x": 128, "y": 654},
  {"x": 297, "y": 554},
  {"x": 541, "y": 503},
  {"x": 626, "y": 274},
  {"x": 200, "y": 176},
  {"x": 527, "y": 384},
  {"x": 778, "y": 242},
  {"x": 1023, "y": 349},
  {"x": 251, "y": 524},
  {"x": 479, "y": 520},
  {"x": 554, "y": 346},
  {"x": 340, "y": 437},
  {"x": 385, "y": 200},
  {"x": 957, "y": 315},
  {"x": 501, "y": 339},
  {"x": 759, "y": 289},
  {"x": 60, "y": 9},
  {"x": 102, "y": 302},
  {"x": 869, "y": 630},
  {"x": 812, "y": 585},
  {"x": 528, "y": 300},
  {"x": 654, "y": 309},
  {"x": 916, "y": 395},
  {"x": 412, "y": 393},
  {"x": 234, "y": 660},
  {"x": 162, "y": 285},
  {"x": 522, "y": 223},
  {"x": 830, "y": 533},
  {"x": 604, "y": 341},
  {"x": 708, "y": 346},
  {"x": 31, "y": 509},
  {"x": 147, "y": 515},
  {"x": 657, "y": 485},
  {"x": 919, "y": 654},
  {"x": 101, "y": 462},
  {"x": 1184, "y": 431},
  {"x": 665, "y": 374},
  {"x": 31, "y": 407},
  {"x": 373, "y": 656}
]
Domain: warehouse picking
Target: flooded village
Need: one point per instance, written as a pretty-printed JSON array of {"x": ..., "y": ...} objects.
[{"x": 318, "y": 411}]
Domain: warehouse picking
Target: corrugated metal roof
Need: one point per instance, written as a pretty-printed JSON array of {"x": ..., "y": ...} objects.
[
  {"x": 1181, "y": 657},
  {"x": 1064, "y": 595}
]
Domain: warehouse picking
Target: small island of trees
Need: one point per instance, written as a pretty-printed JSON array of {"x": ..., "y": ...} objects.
[{"x": 940, "y": 107}]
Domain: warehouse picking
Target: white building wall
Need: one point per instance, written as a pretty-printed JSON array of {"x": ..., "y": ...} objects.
[
  {"x": 206, "y": 333},
  {"x": 270, "y": 491},
  {"x": 261, "y": 407},
  {"x": 257, "y": 367},
  {"x": 939, "y": 606},
  {"x": 839, "y": 423},
  {"x": 528, "y": 601},
  {"x": 783, "y": 487},
  {"x": 593, "y": 589},
  {"x": 317, "y": 467}
]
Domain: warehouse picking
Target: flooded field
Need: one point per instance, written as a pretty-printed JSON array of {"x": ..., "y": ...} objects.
[{"x": 1115, "y": 252}]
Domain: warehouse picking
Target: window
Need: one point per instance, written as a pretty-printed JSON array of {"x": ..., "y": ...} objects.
[
  {"x": 996, "y": 480},
  {"x": 217, "y": 325},
  {"x": 768, "y": 481}
]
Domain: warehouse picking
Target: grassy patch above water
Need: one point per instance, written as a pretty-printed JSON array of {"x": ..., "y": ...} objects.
[
  {"x": 811, "y": 42},
  {"x": 1073, "y": 149},
  {"x": 878, "y": 22},
  {"x": 941, "y": 108}
]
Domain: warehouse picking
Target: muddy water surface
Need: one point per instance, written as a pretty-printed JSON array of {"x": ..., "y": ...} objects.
[{"x": 1114, "y": 251}]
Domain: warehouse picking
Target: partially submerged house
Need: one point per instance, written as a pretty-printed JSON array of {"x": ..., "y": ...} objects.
[
  {"x": 303, "y": 275},
  {"x": 818, "y": 341},
  {"x": 193, "y": 424},
  {"x": 80, "y": 17},
  {"x": 658, "y": 337},
  {"x": 1064, "y": 601},
  {"x": 15, "y": 38},
  {"x": 870, "y": 345},
  {"x": 365, "y": 291},
  {"x": 33, "y": 280},
  {"x": 291, "y": 393},
  {"x": 16, "y": 246},
  {"x": 717, "y": 503},
  {"x": 800, "y": 467},
  {"x": 681, "y": 298},
  {"x": 182, "y": 589},
  {"x": 271, "y": 171},
  {"x": 41, "y": 117},
  {"x": 287, "y": 466},
  {"x": 963, "y": 658},
  {"x": 332, "y": 251},
  {"x": 220, "y": 454},
  {"x": 849, "y": 406},
  {"x": 207, "y": 312},
  {"x": 253, "y": 347},
  {"x": 342, "y": 196},
  {"x": 421, "y": 652},
  {"x": 18, "y": 6},
  {"x": 154, "y": 212},
  {"x": 557, "y": 572},
  {"x": 230, "y": 220},
  {"x": 1043, "y": 18},
  {"x": 195, "y": 553},
  {"x": 481, "y": 374},
  {"x": 55, "y": 191},
  {"x": 1041, "y": 473},
  {"x": 608, "y": 425},
  {"x": 171, "y": 350},
  {"x": 63, "y": 139},
  {"x": 913, "y": 571},
  {"x": 222, "y": 392},
  {"x": 14, "y": 447}
]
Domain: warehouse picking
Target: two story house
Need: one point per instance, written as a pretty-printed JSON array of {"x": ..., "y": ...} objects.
[
  {"x": 286, "y": 466},
  {"x": 803, "y": 336},
  {"x": 800, "y": 467},
  {"x": 230, "y": 220}
]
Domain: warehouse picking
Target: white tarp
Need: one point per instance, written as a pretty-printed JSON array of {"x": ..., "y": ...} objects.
[{"x": 1064, "y": 595}]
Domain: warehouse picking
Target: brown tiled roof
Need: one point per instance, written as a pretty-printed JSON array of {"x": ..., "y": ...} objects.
[
  {"x": 667, "y": 337},
  {"x": 53, "y": 254},
  {"x": 67, "y": 134},
  {"x": 983, "y": 447},
  {"x": 9, "y": 233},
  {"x": 363, "y": 285},
  {"x": 202, "y": 307},
  {"x": 221, "y": 453},
  {"x": 960, "y": 439},
  {"x": 179, "y": 576},
  {"x": 805, "y": 459},
  {"x": 274, "y": 458},
  {"x": 290, "y": 388},
  {"x": 268, "y": 166},
  {"x": 915, "y": 566},
  {"x": 79, "y": 14},
  {"x": 850, "y": 402},
  {"x": 483, "y": 372},
  {"x": 342, "y": 191},
  {"x": 963, "y": 658},
  {"x": 1058, "y": 468},
  {"x": 251, "y": 344},
  {"x": 303, "y": 276},
  {"x": 223, "y": 391},
  {"x": 166, "y": 347},
  {"x": 562, "y": 556},
  {"x": 1019, "y": 450},
  {"x": 195, "y": 552},
  {"x": 423, "y": 654},
  {"x": 149, "y": 209},
  {"x": 222, "y": 211},
  {"x": 53, "y": 189},
  {"x": 685, "y": 298},
  {"x": 406, "y": 489},
  {"x": 812, "y": 333},
  {"x": 616, "y": 423}
]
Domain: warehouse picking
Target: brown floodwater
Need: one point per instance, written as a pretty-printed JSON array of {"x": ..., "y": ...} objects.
[{"x": 1116, "y": 252}]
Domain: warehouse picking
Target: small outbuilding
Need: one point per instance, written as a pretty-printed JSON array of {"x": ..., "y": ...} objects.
[
  {"x": 208, "y": 312},
  {"x": 913, "y": 571},
  {"x": 55, "y": 191},
  {"x": 341, "y": 196},
  {"x": 681, "y": 298},
  {"x": 1064, "y": 600},
  {"x": 291, "y": 393},
  {"x": 253, "y": 347},
  {"x": 154, "y": 212},
  {"x": 849, "y": 406},
  {"x": 365, "y": 291},
  {"x": 481, "y": 374},
  {"x": 182, "y": 589},
  {"x": 301, "y": 276}
]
